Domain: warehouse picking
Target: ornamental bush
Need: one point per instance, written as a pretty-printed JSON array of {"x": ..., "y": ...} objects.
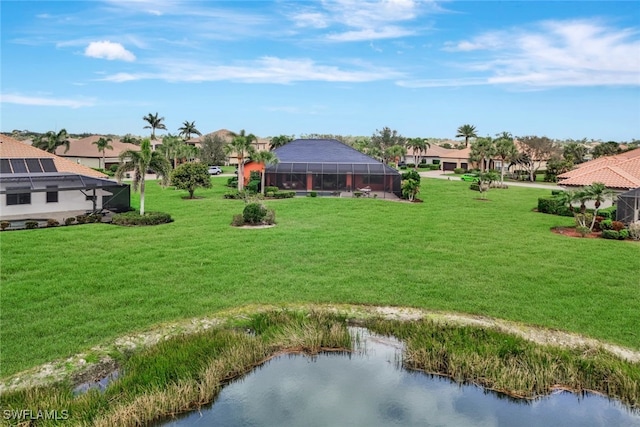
[
  {"x": 134, "y": 218},
  {"x": 69, "y": 221},
  {"x": 617, "y": 225},
  {"x": 254, "y": 213},
  {"x": 458, "y": 171},
  {"x": 51, "y": 222},
  {"x": 583, "y": 230},
  {"x": 29, "y": 225},
  {"x": 550, "y": 204},
  {"x": 271, "y": 188},
  {"x": 4, "y": 225},
  {"x": 611, "y": 234}
]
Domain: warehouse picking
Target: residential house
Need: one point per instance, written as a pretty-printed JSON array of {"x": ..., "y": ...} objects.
[{"x": 35, "y": 184}]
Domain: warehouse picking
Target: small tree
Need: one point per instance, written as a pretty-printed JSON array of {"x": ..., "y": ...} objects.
[
  {"x": 410, "y": 189},
  {"x": 189, "y": 176},
  {"x": 484, "y": 182}
]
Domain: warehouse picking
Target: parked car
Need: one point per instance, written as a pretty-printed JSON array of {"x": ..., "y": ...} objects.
[
  {"x": 215, "y": 170},
  {"x": 470, "y": 177}
]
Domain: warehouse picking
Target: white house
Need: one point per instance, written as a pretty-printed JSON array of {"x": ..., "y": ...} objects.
[{"x": 35, "y": 184}]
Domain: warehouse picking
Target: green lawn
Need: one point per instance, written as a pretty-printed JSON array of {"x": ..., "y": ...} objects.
[{"x": 66, "y": 289}]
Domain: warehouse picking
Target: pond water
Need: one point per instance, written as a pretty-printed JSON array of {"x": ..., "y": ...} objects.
[{"x": 369, "y": 388}]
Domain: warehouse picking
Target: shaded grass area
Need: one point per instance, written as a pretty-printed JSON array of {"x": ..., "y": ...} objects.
[
  {"x": 511, "y": 364},
  {"x": 185, "y": 372},
  {"x": 66, "y": 289}
]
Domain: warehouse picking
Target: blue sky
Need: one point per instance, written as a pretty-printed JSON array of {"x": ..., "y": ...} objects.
[{"x": 350, "y": 67}]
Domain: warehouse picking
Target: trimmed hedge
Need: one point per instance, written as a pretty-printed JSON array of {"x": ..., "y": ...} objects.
[
  {"x": 284, "y": 195},
  {"x": 550, "y": 204},
  {"x": 134, "y": 218},
  {"x": 608, "y": 213},
  {"x": 458, "y": 171}
]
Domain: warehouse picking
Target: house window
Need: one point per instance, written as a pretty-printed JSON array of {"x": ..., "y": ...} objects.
[
  {"x": 19, "y": 199},
  {"x": 52, "y": 194}
]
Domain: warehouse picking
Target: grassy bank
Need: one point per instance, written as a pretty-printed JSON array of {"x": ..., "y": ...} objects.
[
  {"x": 185, "y": 372},
  {"x": 66, "y": 289},
  {"x": 511, "y": 364}
]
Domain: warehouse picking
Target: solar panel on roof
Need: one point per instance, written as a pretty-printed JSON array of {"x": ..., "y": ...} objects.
[
  {"x": 18, "y": 165},
  {"x": 5, "y": 167},
  {"x": 33, "y": 165},
  {"x": 48, "y": 165}
]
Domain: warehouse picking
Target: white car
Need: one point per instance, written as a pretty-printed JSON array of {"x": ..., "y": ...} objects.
[{"x": 215, "y": 170}]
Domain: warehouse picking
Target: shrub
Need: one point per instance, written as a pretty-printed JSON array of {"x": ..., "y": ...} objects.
[
  {"x": 232, "y": 182},
  {"x": 271, "y": 188},
  {"x": 556, "y": 192},
  {"x": 254, "y": 213},
  {"x": 69, "y": 221},
  {"x": 238, "y": 220},
  {"x": 583, "y": 230},
  {"x": 474, "y": 186},
  {"x": 134, "y": 218},
  {"x": 606, "y": 224},
  {"x": 581, "y": 219},
  {"x": 284, "y": 194},
  {"x": 4, "y": 225},
  {"x": 608, "y": 213},
  {"x": 623, "y": 234},
  {"x": 313, "y": 194},
  {"x": 113, "y": 168},
  {"x": 411, "y": 174},
  {"x": 550, "y": 204},
  {"x": 424, "y": 166},
  {"x": 617, "y": 225},
  {"x": 233, "y": 195},
  {"x": 565, "y": 210},
  {"x": 94, "y": 217},
  {"x": 270, "y": 193},
  {"x": 253, "y": 186},
  {"x": 634, "y": 230},
  {"x": 458, "y": 171},
  {"x": 611, "y": 234},
  {"x": 434, "y": 167},
  {"x": 82, "y": 219},
  {"x": 270, "y": 217},
  {"x": 52, "y": 222},
  {"x": 29, "y": 225},
  {"x": 411, "y": 165}
]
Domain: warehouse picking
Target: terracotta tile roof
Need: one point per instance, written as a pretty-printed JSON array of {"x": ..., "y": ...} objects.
[
  {"x": 85, "y": 147},
  {"x": 11, "y": 148},
  {"x": 619, "y": 171}
]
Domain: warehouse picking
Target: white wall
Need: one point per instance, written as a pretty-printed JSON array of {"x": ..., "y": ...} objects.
[{"x": 72, "y": 200}]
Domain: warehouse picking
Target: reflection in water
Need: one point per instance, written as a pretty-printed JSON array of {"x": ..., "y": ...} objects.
[{"x": 367, "y": 388}]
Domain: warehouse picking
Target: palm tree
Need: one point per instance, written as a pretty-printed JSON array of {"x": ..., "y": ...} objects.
[
  {"x": 170, "y": 147},
  {"x": 466, "y": 131},
  {"x": 279, "y": 141},
  {"x": 505, "y": 149},
  {"x": 482, "y": 151},
  {"x": 140, "y": 162},
  {"x": 188, "y": 129},
  {"x": 103, "y": 145},
  {"x": 130, "y": 139},
  {"x": 418, "y": 145},
  {"x": 155, "y": 122},
  {"x": 394, "y": 152},
  {"x": 598, "y": 192},
  {"x": 266, "y": 158},
  {"x": 52, "y": 140},
  {"x": 242, "y": 146}
]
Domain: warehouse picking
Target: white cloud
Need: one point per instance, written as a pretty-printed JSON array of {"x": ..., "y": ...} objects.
[
  {"x": 263, "y": 70},
  {"x": 44, "y": 102},
  {"x": 109, "y": 50},
  {"x": 555, "y": 53},
  {"x": 357, "y": 20}
]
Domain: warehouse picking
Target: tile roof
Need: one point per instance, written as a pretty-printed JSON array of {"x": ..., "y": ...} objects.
[
  {"x": 85, "y": 147},
  {"x": 438, "y": 151},
  {"x": 619, "y": 171},
  {"x": 11, "y": 148}
]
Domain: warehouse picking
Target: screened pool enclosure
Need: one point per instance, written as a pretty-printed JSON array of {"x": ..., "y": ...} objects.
[{"x": 329, "y": 166}]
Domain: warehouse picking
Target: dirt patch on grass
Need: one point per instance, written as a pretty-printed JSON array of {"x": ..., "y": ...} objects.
[
  {"x": 571, "y": 232},
  {"x": 79, "y": 370}
]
